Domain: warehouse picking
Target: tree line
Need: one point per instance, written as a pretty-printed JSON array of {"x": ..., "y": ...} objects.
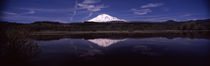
[{"x": 113, "y": 26}]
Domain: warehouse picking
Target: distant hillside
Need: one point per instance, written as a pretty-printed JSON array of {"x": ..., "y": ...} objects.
[{"x": 116, "y": 26}]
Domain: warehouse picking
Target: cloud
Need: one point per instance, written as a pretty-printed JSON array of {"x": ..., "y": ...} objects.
[
  {"x": 186, "y": 15},
  {"x": 31, "y": 18},
  {"x": 150, "y": 5},
  {"x": 27, "y": 15},
  {"x": 85, "y": 6},
  {"x": 14, "y": 13},
  {"x": 91, "y": 1},
  {"x": 48, "y": 9},
  {"x": 10, "y": 13},
  {"x": 89, "y": 15},
  {"x": 31, "y": 12},
  {"x": 89, "y": 6},
  {"x": 97, "y": 8},
  {"x": 145, "y": 9},
  {"x": 75, "y": 10},
  {"x": 141, "y": 11}
]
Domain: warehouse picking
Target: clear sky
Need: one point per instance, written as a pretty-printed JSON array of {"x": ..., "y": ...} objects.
[{"x": 68, "y": 11}]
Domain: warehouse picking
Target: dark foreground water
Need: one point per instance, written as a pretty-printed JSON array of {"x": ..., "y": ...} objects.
[{"x": 153, "y": 51}]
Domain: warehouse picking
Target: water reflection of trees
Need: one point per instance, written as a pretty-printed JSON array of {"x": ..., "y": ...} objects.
[
  {"x": 169, "y": 35},
  {"x": 16, "y": 49}
]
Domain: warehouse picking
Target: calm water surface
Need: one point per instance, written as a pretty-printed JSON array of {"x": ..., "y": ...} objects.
[{"x": 108, "y": 51}]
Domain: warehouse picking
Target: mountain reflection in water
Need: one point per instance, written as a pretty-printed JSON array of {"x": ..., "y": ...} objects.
[
  {"x": 105, "y": 42},
  {"x": 143, "y": 51}
]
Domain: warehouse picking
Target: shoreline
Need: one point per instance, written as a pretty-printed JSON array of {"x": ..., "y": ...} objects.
[{"x": 113, "y": 32}]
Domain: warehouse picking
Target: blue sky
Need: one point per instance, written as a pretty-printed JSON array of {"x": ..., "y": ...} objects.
[{"x": 68, "y": 11}]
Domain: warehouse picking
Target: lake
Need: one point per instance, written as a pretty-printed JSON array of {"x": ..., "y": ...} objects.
[{"x": 76, "y": 51}]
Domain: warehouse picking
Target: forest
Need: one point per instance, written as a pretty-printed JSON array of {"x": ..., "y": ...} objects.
[{"x": 113, "y": 26}]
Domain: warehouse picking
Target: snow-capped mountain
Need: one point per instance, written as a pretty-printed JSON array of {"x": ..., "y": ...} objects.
[
  {"x": 105, "y": 18},
  {"x": 105, "y": 42}
]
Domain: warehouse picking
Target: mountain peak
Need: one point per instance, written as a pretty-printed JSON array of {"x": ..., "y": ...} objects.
[
  {"x": 105, "y": 18},
  {"x": 103, "y": 15}
]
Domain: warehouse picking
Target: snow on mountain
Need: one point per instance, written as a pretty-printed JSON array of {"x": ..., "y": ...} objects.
[
  {"x": 105, "y": 42},
  {"x": 105, "y": 18}
]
